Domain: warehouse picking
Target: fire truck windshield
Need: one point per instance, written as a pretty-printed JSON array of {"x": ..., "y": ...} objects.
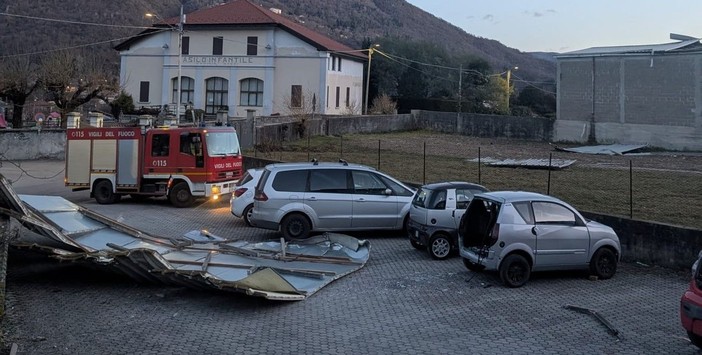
[{"x": 222, "y": 143}]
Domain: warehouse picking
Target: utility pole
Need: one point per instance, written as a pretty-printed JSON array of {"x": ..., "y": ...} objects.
[
  {"x": 509, "y": 73},
  {"x": 370, "y": 56},
  {"x": 460, "y": 94},
  {"x": 180, "y": 60}
]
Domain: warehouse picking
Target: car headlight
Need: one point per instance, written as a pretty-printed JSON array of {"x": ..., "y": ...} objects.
[{"x": 216, "y": 190}]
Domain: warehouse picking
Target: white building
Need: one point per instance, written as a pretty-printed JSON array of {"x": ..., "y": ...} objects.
[{"x": 241, "y": 57}]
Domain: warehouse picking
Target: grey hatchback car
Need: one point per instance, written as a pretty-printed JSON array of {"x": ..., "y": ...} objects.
[
  {"x": 300, "y": 198},
  {"x": 435, "y": 214},
  {"x": 515, "y": 233}
]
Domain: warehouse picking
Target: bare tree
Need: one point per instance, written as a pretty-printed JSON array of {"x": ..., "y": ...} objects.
[
  {"x": 301, "y": 107},
  {"x": 383, "y": 105},
  {"x": 71, "y": 79},
  {"x": 18, "y": 80}
]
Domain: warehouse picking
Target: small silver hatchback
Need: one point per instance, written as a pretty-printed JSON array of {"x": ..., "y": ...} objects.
[
  {"x": 435, "y": 213},
  {"x": 515, "y": 233}
]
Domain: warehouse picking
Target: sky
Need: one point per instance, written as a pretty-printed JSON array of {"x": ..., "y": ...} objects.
[{"x": 569, "y": 25}]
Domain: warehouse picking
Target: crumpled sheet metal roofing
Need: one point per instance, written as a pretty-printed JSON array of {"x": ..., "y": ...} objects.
[
  {"x": 198, "y": 259},
  {"x": 609, "y": 149}
]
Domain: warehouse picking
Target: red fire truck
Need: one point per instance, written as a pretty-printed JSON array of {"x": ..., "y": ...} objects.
[{"x": 182, "y": 163}]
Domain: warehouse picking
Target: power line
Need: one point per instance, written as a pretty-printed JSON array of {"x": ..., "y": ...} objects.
[
  {"x": 80, "y": 45},
  {"x": 532, "y": 85},
  {"x": 70, "y": 22}
]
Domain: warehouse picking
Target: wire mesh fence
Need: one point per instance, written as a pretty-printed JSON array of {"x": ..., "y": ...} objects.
[{"x": 623, "y": 186}]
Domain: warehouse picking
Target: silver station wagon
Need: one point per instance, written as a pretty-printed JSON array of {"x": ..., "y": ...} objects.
[
  {"x": 300, "y": 198},
  {"x": 515, "y": 233}
]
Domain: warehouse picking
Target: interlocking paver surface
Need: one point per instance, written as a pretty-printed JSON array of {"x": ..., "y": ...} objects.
[{"x": 402, "y": 301}]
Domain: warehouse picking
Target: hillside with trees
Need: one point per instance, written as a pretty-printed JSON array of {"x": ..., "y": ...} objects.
[{"x": 420, "y": 70}]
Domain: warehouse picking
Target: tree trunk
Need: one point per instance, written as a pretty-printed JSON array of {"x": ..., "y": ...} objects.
[{"x": 17, "y": 111}]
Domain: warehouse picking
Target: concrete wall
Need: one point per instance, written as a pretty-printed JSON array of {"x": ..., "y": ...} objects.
[
  {"x": 654, "y": 243},
  {"x": 634, "y": 99},
  {"x": 29, "y": 144},
  {"x": 477, "y": 125}
]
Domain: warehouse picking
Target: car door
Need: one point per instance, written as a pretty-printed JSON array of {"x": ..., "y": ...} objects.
[
  {"x": 375, "y": 205},
  {"x": 329, "y": 198},
  {"x": 441, "y": 206},
  {"x": 462, "y": 199},
  {"x": 561, "y": 237}
]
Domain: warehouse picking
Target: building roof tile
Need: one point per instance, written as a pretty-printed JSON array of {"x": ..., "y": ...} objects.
[{"x": 246, "y": 13}]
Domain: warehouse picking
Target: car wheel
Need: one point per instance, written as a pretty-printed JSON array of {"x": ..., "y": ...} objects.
[
  {"x": 295, "y": 226},
  {"x": 247, "y": 215},
  {"x": 472, "y": 266},
  {"x": 439, "y": 247},
  {"x": 603, "y": 263},
  {"x": 103, "y": 193},
  {"x": 416, "y": 245},
  {"x": 695, "y": 339},
  {"x": 180, "y": 195},
  {"x": 515, "y": 271}
]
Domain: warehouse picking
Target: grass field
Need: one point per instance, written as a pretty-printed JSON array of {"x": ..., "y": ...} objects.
[{"x": 661, "y": 187}]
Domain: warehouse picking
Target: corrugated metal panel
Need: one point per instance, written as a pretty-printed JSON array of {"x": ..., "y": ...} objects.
[{"x": 198, "y": 259}]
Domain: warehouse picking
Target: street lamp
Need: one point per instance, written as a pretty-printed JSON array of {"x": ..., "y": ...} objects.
[
  {"x": 509, "y": 74},
  {"x": 181, "y": 20},
  {"x": 371, "y": 49}
]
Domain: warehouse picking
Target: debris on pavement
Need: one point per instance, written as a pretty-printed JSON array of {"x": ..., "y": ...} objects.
[
  {"x": 612, "y": 330},
  {"x": 198, "y": 259}
]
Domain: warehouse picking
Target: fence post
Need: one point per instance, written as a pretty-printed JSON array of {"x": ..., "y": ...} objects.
[
  {"x": 548, "y": 184},
  {"x": 378, "y": 154},
  {"x": 424, "y": 168},
  {"x": 631, "y": 190},
  {"x": 479, "y": 164}
]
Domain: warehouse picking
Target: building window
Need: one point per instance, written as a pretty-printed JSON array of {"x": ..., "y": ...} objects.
[
  {"x": 216, "y": 94},
  {"x": 296, "y": 96},
  {"x": 348, "y": 97},
  {"x": 144, "y": 91},
  {"x": 251, "y": 45},
  {"x": 185, "y": 45},
  {"x": 251, "y": 92},
  {"x": 327, "y": 97},
  {"x": 338, "y": 95},
  {"x": 217, "y": 44},
  {"x": 187, "y": 90},
  {"x": 339, "y": 64},
  {"x": 333, "y": 58}
]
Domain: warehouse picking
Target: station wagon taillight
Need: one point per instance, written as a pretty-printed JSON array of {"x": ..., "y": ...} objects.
[{"x": 260, "y": 196}]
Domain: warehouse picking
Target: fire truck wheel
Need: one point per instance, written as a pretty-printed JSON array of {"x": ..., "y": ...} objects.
[
  {"x": 103, "y": 193},
  {"x": 180, "y": 195}
]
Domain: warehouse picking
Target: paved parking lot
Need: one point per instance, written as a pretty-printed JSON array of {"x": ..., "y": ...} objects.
[{"x": 402, "y": 301}]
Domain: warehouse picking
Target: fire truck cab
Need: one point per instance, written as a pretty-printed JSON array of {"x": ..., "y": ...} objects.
[{"x": 182, "y": 163}]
